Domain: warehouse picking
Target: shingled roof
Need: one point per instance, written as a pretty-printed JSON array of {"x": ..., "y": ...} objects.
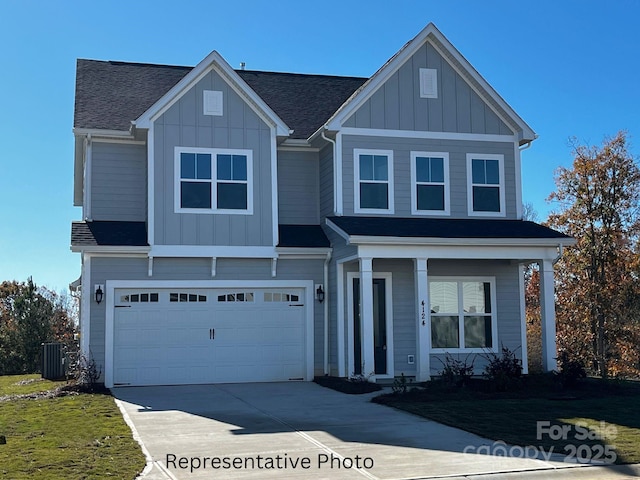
[{"x": 109, "y": 95}]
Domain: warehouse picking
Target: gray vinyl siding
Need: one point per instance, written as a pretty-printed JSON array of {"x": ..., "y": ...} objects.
[
  {"x": 184, "y": 124},
  {"x": 326, "y": 181},
  {"x": 397, "y": 105},
  {"x": 507, "y": 304},
  {"x": 402, "y": 148},
  {"x": 118, "y": 182},
  {"x": 405, "y": 308},
  {"x": 298, "y": 188},
  {"x": 104, "y": 269}
]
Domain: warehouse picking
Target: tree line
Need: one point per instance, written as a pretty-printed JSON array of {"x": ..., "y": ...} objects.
[
  {"x": 597, "y": 202},
  {"x": 30, "y": 316}
]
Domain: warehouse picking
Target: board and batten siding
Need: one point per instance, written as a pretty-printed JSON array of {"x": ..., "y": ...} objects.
[
  {"x": 118, "y": 182},
  {"x": 402, "y": 148},
  {"x": 136, "y": 268},
  {"x": 397, "y": 105},
  {"x": 185, "y": 125},
  {"x": 298, "y": 188}
]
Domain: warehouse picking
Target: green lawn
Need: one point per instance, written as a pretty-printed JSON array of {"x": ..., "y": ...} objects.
[
  {"x": 513, "y": 417},
  {"x": 79, "y": 436}
]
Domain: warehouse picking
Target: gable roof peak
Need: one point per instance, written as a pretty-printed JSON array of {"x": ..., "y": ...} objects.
[{"x": 431, "y": 34}]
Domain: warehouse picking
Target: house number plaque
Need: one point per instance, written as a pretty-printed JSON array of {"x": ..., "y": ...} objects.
[{"x": 423, "y": 315}]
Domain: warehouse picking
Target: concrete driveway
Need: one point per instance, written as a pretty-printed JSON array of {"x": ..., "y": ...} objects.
[{"x": 302, "y": 430}]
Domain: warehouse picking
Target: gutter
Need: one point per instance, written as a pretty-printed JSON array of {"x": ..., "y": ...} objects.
[{"x": 335, "y": 153}]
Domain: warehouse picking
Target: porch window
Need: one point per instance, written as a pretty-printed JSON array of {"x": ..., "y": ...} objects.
[
  {"x": 462, "y": 314},
  {"x": 373, "y": 186},
  {"x": 213, "y": 181},
  {"x": 429, "y": 183},
  {"x": 486, "y": 194}
]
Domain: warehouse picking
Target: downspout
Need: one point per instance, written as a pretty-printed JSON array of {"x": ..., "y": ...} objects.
[
  {"x": 86, "y": 198},
  {"x": 326, "y": 313},
  {"x": 560, "y": 250},
  {"x": 335, "y": 181}
]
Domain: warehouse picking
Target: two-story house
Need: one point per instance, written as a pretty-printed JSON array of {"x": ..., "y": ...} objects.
[{"x": 243, "y": 226}]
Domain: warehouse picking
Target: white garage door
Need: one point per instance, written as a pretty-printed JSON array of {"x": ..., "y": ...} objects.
[{"x": 182, "y": 336}]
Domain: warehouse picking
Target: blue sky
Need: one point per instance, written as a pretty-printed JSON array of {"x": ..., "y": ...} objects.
[{"x": 569, "y": 68}]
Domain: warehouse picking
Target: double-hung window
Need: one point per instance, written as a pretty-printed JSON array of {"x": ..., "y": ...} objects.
[
  {"x": 373, "y": 185},
  {"x": 485, "y": 180},
  {"x": 213, "y": 181},
  {"x": 429, "y": 183},
  {"x": 463, "y": 314}
]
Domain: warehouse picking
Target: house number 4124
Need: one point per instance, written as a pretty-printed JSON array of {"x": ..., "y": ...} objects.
[{"x": 423, "y": 315}]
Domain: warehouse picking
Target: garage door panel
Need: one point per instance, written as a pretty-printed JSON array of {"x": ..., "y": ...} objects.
[{"x": 170, "y": 342}]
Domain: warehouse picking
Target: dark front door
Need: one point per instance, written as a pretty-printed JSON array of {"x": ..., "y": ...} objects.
[{"x": 379, "y": 328}]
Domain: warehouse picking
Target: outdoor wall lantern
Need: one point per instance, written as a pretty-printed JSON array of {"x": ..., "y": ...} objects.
[
  {"x": 99, "y": 293},
  {"x": 320, "y": 293}
]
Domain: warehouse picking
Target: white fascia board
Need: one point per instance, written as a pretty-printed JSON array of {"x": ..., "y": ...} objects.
[
  {"x": 218, "y": 251},
  {"x": 213, "y": 61},
  {"x": 299, "y": 253},
  {"x": 98, "y": 132},
  {"x": 497, "y": 242},
  {"x": 459, "y": 252},
  {"x": 338, "y": 230},
  {"x": 394, "y": 63},
  {"x": 109, "y": 249}
]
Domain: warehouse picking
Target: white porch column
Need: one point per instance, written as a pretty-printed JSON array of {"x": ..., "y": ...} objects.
[
  {"x": 548, "y": 316},
  {"x": 366, "y": 316},
  {"x": 423, "y": 367}
]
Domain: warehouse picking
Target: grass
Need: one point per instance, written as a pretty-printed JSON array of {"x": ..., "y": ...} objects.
[
  {"x": 78, "y": 436},
  {"x": 513, "y": 417},
  {"x": 24, "y": 384}
]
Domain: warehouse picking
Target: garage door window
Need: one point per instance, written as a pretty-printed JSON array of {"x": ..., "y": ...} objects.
[
  {"x": 236, "y": 297},
  {"x": 187, "y": 297},
  {"x": 139, "y": 298},
  {"x": 280, "y": 297}
]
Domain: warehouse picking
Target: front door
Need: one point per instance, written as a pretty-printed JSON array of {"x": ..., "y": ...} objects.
[{"x": 379, "y": 327}]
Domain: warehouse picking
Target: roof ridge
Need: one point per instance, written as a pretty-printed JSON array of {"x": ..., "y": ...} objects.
[{"x": 326, "y": 75}]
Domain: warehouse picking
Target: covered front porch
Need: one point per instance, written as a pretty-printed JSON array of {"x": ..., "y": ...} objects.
[{"x": 403, "y": 301}]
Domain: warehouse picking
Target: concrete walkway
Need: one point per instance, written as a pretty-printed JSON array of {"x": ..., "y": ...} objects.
[{"x": 302, "y": 430}]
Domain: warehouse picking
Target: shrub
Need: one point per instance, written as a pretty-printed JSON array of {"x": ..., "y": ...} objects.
[
  {"x": 570, "y": 370},
  {"x": 400, "y": 384},
  {"x": 456, "y": 372},
  {"x": 504, "y": 371}
]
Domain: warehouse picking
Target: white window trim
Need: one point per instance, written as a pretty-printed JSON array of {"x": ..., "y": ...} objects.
[
  {"x": 470, "y": 184},
  {"x": 494, "y": 316},
  {"x": 214, "y": 181},
  {"x": 356, "y": 181},
  {"x": 414, "y": 184}
]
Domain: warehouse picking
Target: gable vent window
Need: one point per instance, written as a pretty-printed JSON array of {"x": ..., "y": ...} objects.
[
  {"x": 212, "y": 100},
  {"x": 428, "y": 83},
  {"x": 213, "y": 181}
]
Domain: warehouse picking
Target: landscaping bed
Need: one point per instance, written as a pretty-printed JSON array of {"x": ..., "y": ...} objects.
[
  {"x": 345, "y": 385},
  {"x": 593, "y": 417}
]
